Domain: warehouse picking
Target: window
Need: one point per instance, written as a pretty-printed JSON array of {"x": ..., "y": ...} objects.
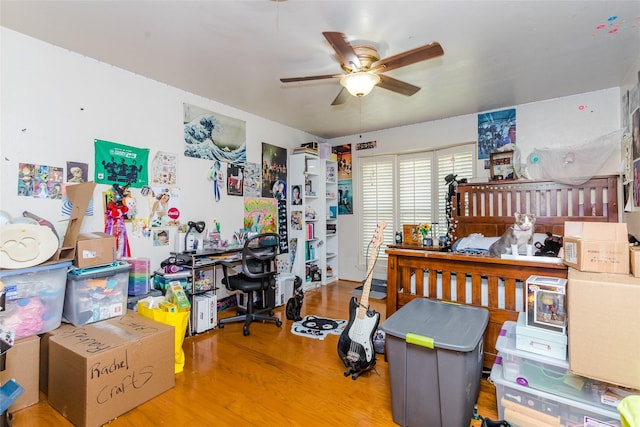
[{"x": 408, "y": 189}]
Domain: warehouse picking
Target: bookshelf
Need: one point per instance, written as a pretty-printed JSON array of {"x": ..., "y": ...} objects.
[{"x": 314, "y": 222}]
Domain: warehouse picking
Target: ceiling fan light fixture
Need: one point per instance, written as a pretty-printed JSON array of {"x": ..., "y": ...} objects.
[{"x": 360, "y": 83}]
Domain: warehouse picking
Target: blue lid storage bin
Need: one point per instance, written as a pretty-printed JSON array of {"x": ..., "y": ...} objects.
[
  {"x": 434, "y": 350},
  {"x": 95, "y": 294},
  {"x": 34, "y": 299}
]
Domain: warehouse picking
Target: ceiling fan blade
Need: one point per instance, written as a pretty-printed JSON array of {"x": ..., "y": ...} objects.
[
  {"x": 343, "y": 48},
  {"x": 397, "y": 86},
  {"x": 409, "y": 57},
  {"x": 304, "y": 79},
  {"x": 342, "y": 97}
]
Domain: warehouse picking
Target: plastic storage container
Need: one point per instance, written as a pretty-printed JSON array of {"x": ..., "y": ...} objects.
[
  {"x": 524, "y": 406},
  {"x": 139, "y": 276},
  {"x": 34, "y": 298},
  {"x": 434, "y": 350},
  {"x": 96, "y": 293}
]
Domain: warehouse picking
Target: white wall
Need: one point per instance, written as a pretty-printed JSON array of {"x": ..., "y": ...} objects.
[
  {"x": 552, "y": 123},
  {"x": 56, "y": 102}
]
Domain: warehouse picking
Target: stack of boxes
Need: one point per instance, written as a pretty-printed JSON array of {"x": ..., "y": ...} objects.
[{"x": 573, "y": 354}]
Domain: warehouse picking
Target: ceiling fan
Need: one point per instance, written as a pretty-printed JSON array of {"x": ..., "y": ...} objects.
[{"x": 364, "y": 68}]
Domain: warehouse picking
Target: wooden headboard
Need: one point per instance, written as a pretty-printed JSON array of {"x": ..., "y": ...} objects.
[{"x": 488, "y": 207}]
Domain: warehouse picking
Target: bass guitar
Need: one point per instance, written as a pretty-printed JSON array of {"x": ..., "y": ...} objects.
[{"x": 355, "y": 346}]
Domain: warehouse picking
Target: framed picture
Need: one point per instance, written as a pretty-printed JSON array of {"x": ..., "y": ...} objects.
[
  {"x": 501, "y": 166},
  {"x": 410, "y": 234}
]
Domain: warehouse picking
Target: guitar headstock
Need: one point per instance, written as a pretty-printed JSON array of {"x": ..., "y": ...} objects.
[{"x": 378, "y": 236}]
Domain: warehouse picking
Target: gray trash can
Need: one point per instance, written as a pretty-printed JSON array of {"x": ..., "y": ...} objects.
[{"x": 435, "y": 350}]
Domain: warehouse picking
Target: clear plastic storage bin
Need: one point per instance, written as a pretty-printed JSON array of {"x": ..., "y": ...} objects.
[
  {"x": 34, "y": 298},
  {"x": 95, "y": 294},
  {"x": 524, "y": 406}
]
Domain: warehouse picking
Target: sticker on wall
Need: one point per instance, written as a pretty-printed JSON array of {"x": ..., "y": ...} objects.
[
  {"x": 121, "y": 164},
  {"x": 213, "y": 136},
  {"x": 495, "y": 130}
]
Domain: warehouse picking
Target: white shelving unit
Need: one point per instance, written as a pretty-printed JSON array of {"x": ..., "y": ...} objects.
[
  {"x": 316, "y": 250},
  {"x": 331, "y": 229}
]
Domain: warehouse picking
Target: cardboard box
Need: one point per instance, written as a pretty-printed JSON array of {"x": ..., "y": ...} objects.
[
  {"x": 604, "y": 321},
  {"x": 79, "y": 196},
  {"x": 95, "y": 249},
  {"x": 22, "y": 364},
  {"x": 634, "y": 260},
  {"x": 102, "y": 370},
  {"x": 596, "y": 246}
]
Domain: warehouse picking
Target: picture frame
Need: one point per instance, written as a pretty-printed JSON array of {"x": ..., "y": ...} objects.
[
  {"x": 410, "y": 234},
  {"x": 501, "y": 166}
]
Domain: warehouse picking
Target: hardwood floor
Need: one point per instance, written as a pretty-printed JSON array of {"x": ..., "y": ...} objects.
[{"x": 271, "y": 377}]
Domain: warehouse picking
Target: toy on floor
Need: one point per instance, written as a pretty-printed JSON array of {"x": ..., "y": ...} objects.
[{"x": 294, "y": 305}]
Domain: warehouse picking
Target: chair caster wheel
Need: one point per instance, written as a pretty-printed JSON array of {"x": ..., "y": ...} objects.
[
  {"x": 221, "y": 325},
  {"x": 271, "y": 312},
  {"x": 278, "y": 323},
  {"x": 245, "y": 331}
]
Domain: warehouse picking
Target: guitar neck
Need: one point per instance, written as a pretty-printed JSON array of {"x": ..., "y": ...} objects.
[{"x": 366, "y": 288}]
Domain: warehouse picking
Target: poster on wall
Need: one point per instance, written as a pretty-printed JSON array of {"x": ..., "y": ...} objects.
[
  {"x": 40, "y": 181},
  {"x": 343, "y": 156},
  {"x": 164, "y": 169},
  {"x": 213, "y": 136},
  {"x": 283, "y": 227},
  {"x": 164, "y": 207},
  {"x": 345, "y": 197},
  {"x": 260, "y": 214},
  {"x": 274, "y": 171},
  {"x": 636, "y": 183},
  {"x": 120, "y": 164},
  {"x": 235, "y": 180},
  {"x": 77, "y": 172},
  {"x": 252, "y": 184},
  {"x": 495, "y": 130}
]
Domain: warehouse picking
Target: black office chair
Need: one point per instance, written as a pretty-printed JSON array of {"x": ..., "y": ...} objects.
[{"x": 257, "y": 277}]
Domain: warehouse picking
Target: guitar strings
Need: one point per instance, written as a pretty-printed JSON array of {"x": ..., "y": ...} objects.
[{"x": 353, "y": 347}]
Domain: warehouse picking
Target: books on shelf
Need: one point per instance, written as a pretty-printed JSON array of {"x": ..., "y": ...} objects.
[
  {"x": 331, "y": 229},
  {"x": 305, "y": 150}
]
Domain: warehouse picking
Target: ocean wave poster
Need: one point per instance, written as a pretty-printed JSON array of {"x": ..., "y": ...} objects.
[{"x": 213, "y": 136}]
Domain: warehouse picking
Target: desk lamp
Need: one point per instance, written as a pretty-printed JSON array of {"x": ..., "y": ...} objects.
[{"x": 199, "y": 227}]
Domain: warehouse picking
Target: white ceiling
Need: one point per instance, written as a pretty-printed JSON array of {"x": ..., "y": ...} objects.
[{"x": 497, "y": 53}]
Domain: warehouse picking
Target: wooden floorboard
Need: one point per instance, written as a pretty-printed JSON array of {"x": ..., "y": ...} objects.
[{"x": 271, "y": 377}]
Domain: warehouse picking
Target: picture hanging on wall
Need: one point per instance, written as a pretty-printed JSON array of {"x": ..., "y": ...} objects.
[
  {"x": 274, "y": 171},
  {"x": 40, "y": 181},
  {"x": 120, "y": 164},
  {"x": 164, "y": 169},
  {"x": 77, "y": 172},
  {"x": 260, "y": 214},
  {"x": 213, "y": 136},
  {"x": 343, "y": 156},
  {"x": 252, "y": 184},
  {"x": 345, "y": 197},
  {"x": 495, "y": 130},
  {"x": 235, "y": 178}
]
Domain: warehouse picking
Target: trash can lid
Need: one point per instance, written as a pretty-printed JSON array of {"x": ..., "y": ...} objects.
[{"x": 447, "y": 325}]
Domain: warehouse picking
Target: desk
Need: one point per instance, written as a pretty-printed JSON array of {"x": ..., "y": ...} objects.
[{"x": 198, "y": 262}]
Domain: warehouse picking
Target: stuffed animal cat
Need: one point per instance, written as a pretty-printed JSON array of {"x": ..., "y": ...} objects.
[
  {"x": 294, "y": 305},
  {"x": 520, "y": 233}
]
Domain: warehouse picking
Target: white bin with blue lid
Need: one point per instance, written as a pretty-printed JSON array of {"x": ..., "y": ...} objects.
[{"x": 435, "y": 352}]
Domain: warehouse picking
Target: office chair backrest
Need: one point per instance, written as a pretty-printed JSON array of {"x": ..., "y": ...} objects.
[{"x": 258, "y": 255}]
